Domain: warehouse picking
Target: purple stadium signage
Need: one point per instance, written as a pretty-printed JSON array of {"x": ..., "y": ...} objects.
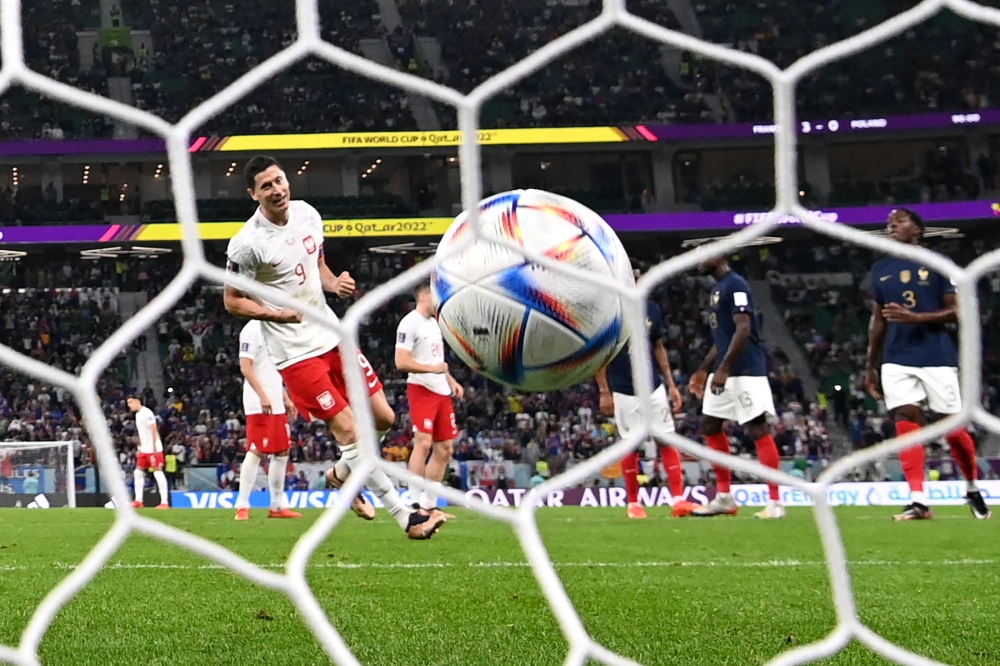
[
  {"x": 688, "y": 221},
  {"x": 919, "y": 121},
  {"x": 82, "y": 147}
]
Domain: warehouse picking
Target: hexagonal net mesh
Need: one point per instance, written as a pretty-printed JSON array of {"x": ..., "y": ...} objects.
[{"x": 293, "y": 581}]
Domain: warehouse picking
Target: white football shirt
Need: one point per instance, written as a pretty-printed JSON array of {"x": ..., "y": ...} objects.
[
  {"x": 253, "y": 347},
  {"x": 144, "y": 424},
  {"x": 286, "y": 258},
  {"x": 421, "y": 336}
]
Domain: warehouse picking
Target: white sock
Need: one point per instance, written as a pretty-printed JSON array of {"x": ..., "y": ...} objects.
[
  {"x": 276, "y": 481},
  {"x": 970, "y": 486},
  {"x": 918, "y": 497},
  {"x": 140, "y": 483},
  {"x": 161, "y": 483},
  {"x": 429, "y": 497},
  {"x": 378, "y": 482},
  {"x": 248, "y": 474}
]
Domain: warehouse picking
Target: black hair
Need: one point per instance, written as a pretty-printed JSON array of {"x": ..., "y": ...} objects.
[
  {"x": 914, "y": 217},
  {"x": 256, "y": 165}
]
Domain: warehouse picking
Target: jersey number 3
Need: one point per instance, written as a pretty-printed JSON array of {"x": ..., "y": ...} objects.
[{"x": 909, "y": 299}]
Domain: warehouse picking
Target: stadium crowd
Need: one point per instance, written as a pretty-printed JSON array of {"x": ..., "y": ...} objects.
[{"x": 199, "y": 47}]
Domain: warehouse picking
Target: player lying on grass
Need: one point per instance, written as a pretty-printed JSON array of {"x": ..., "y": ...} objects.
[
  {"x": 738, "y": 386},
  {"x": 150, "y": 455},
  {"x": 282, "y": 246},
  {"x": 618, "y": 398},
  {"x": 264, "y": 403},
  {"x": 429, "y": 391},
  {"x": 919, "y": 362}
]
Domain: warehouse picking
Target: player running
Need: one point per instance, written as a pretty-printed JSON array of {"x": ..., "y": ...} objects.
[
  {"x": 618, "y": 398},
  {"x": 919, "y": 361},
  {"x": 282, "y": 246},
  {"x": 429, "y": 390},
  {"x": 150, "y": 454},
  {"x": 264, "y": 403},
  {"x": 738, "y": 387}
]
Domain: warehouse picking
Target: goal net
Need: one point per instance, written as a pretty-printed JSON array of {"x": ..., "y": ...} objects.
[
  {"x": 292, "y": 582},
  {"x": 37, "y": 474}
]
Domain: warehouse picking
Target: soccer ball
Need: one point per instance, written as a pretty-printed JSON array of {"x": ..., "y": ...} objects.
[{"x": 518, "y": 322}]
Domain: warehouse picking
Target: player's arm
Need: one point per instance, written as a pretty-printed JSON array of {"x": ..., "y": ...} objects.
[
  {"x": 663, "y": 362},
  {"x": 738, "y": 345},
  {"x": 406, "y": 363},
  {"x": 457, "y": 389},
  {"x": 343, "y": 285},
  {"x": 896, "y": 313},
  {"x": 246, "y": 367},
  {"x": 700, "y": 376},
  {"x": 241, "y": 304},
  {"x": 290, "y": 408},
  {"x": 606, "y": 401},
  {"x": 877, "y": 327}
]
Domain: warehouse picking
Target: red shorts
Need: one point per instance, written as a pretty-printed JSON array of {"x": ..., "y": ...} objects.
[
  {"x": 432, "y": 413},
  {"x": 268, "y": 433},
  {"x": 146, "y": 461},
  {"x": 317, "y": 385}
]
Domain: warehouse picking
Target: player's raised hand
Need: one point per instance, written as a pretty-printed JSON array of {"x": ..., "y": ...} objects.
[
  {"x": 719, "y": 378},
  {"x": 873, "y": 383},
  {"x": 897, "y": 314},
  {"x": 287, "y": 316},
  {"x": 345, "y": 285},
  {"x": 697, "y": 383},
  {"x": 606, "y": 403}
]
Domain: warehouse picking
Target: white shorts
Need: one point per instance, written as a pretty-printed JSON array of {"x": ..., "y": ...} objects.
[
  {"x": 628, "y": 417},
  {"x": 903, "y": 385},
  {"x": 743, "y": 400}
]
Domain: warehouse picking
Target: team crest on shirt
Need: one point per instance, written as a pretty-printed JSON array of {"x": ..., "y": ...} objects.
[
  {"x": 923, "y": 274},
  {"x": 904, "y": 276},
  {"x": 649, "y": 323},
  {"x": 310, "y": 244},
  {"x": 715, "y": 298}
]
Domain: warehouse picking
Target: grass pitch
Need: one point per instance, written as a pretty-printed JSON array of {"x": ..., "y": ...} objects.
[{"x": 660, "y": 591}]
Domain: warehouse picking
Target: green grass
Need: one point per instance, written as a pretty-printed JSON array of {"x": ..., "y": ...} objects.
[{"x": 661, "y": 591}]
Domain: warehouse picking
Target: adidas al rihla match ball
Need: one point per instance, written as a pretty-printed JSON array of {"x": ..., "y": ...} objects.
[{"x": 518, "y": 322}]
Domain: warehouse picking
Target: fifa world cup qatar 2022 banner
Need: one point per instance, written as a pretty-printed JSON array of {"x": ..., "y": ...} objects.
[{"x": 939, "y": 493}]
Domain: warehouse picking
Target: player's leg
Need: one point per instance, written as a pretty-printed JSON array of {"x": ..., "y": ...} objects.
[
  {"x": 161, "y": 481},
  {"x": 444, "y": 433},
  {"x": 944, "y": 398},
  {"x": 671, "y": 457},
  {"x": 382, "y": 412},
  {"x": 904, "y": 393},
  {"x": 754, "y": 402},
  {"x": 716, "y": 409},
  {"x": 139, "y": 479},
  {"x": 422, "y": 410},
  {"x": 248, "y": 474},
  {"x": 767, "y": 455},
  {"x": 340, "y": 417},
  {"x": 627, "y": 418},
  {"x": 278, "y": 443}
]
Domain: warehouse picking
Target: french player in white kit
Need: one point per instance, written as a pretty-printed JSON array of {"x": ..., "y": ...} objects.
[
  {"x": 264, "y": 404},
  {"x": 150, "y": 454},
  {"x": 429, "y": 390},
  {"x": 282, "y": 246}
]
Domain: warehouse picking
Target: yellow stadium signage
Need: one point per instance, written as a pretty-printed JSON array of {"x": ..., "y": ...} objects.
[
  {"x": 415, "y": 226},
  {"x": 424, "y": 139}
]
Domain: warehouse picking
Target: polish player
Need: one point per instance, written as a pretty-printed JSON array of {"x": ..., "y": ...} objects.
[
  {"x": 264, "y": 404},
  {"x": 150, "y": 454},
  {"x": 918, "y": 360},
  {"x": 618, "y": 398},
  {"x": 429, "y": 390},
  {"x": 281, "y": 245},
  {"x": 738, "y": 386}
]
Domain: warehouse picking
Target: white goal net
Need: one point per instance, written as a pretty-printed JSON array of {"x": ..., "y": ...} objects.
[
  {"x": 292, "y": 582},
  {"x": 37, "y": 474}
]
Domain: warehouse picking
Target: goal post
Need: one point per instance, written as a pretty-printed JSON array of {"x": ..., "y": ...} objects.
[{"x": 38, "y": 468}]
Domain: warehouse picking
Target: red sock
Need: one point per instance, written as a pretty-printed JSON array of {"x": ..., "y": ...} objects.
[
  {"x": 912, "y": 459},
  {"x": 723, "y": 475},
  {"x": 767, "y": 454},
  {"x": 963, "y": 450},
  {"x": 630, "y": 470},
  {"x": 675, "y": 472}
]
